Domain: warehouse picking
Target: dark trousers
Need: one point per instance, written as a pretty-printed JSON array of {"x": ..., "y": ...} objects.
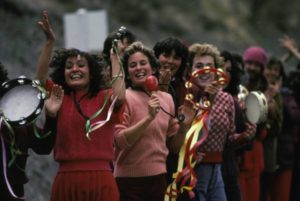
[
  {"x": 150, "y": 188},
  {"x": 232, "y": 188}
]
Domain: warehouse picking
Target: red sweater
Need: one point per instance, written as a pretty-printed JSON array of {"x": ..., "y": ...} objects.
[{"x": 72, "y": 149}]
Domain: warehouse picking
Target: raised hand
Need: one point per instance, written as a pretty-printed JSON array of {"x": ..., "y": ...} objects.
[
  {"x": 164, "y": 78},
  {"x": 53, "y": 103},
  {"x": 46, "y": 27},
  {"x": 287, "y": 42},
  {"x": 45, "y": 55}
]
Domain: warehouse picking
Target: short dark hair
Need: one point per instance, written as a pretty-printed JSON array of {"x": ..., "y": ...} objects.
[
  {"x": 107, "y": 45},
  {"x": 181, "y": 50}
]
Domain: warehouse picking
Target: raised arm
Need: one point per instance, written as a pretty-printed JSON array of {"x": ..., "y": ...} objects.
[
  {"x": 290, "y": 44},
  {"x": 45, "y": 55},
  {"x": 118, "y": 84}
]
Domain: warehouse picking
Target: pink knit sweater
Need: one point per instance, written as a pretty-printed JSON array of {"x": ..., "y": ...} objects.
[{"x": 147, "y": 156}]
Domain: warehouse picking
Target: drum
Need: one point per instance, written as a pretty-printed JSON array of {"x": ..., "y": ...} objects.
[
  {"x": 21, "y": 100},
  {"x": 256, "y": 107}
]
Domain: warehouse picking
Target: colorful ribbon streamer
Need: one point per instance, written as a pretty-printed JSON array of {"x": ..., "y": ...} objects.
[
  {"x": 185, "y": 177},
  {"x": 5, "y": 166}
]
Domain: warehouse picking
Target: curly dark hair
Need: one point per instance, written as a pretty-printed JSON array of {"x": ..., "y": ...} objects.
[
  {"x": 181, "y": 50},
  {"x": 94, "y": 63},
  {"x": 3, "y": 74},
  {"x": 139, "y": 47}
]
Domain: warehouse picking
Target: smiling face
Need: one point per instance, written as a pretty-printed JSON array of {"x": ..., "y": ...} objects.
[
  {"x": 272, "y": 73},
  {"x": 170, "y": 62},
  {"x": 202, "y": 61},
  {"x": 139, "y": 69},
  {"x": 77, "y": 73}
]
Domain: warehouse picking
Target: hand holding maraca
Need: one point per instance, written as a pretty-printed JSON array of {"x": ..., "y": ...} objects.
[{"x": 151, "y": 84}]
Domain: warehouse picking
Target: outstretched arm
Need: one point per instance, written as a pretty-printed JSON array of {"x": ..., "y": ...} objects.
[{"x": 45, "y": 55}]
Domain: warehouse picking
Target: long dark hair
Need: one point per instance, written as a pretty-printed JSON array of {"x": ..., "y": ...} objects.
[
  {"x": 235, "y": 73},
  {"x": 282, "y": 74},
  {"x": 94, "y": 63}
]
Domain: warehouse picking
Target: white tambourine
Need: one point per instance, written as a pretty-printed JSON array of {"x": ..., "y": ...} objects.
[
  {"x": 256, "y": 107},
  {"x": 21, "y": 100}
]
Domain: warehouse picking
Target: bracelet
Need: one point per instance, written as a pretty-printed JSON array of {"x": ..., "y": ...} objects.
[{"x": 117, "y": 76}]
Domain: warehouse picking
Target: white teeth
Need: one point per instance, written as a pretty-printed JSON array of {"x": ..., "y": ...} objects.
[
  {"x": 204, "y": 77},
  {"x": 76, "y": 75},
  {"x": 140, "y": 74}
]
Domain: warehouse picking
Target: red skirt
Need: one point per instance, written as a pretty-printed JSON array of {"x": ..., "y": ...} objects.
[{"x": 85, "y": 186}]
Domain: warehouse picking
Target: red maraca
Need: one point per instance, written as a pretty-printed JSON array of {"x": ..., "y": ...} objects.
[{"x": 151, "y": 83}]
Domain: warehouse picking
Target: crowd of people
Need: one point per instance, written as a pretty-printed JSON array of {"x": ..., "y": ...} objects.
[{"x": 115, "y": 139}]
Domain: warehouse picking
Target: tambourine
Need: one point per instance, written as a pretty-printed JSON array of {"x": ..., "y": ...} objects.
[
  {"x": 221, "y": 79},
  {"x": 21, "y": 100},
  {"x": 256, "y": 107}
]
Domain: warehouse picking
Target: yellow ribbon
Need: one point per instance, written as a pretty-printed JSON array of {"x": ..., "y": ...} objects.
[{"x": 186, "y": 157}]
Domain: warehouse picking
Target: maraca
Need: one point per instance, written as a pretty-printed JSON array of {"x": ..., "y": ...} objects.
[{"x": 151, "y": 83}]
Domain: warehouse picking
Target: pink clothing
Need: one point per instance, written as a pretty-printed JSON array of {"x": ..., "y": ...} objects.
[
  {"x": 147, "y": 156},
  {"x": 72, "y": 148}
]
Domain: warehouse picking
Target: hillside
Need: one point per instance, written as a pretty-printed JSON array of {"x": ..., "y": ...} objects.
[{"x": 228, "y": 24}]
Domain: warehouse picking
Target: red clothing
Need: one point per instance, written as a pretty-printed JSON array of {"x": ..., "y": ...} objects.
[
  {"x": 221, "y": 124},
  {"x": 250, "y": 171},
  {"x": 72, "y": 148},
  {"x": 94, "y": 185},
  {"x": 85, "y": 171}
]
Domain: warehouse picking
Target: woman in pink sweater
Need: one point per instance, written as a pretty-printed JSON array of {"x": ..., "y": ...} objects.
[{"x": 147, "y": 132}]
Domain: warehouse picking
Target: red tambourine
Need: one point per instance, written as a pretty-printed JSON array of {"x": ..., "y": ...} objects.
[{"x": 221, "y": 79}]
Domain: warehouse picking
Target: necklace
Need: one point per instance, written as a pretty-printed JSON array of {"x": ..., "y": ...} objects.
[{"x": 77, "y": 104}]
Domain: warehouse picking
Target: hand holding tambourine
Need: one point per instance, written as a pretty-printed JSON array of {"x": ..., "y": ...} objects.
[
  {"x": 256, "y": 107},
  {"x": 206, "y": 81}
]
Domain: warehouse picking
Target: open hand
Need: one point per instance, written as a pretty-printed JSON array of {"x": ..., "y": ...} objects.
[
  {"x": 53, "y": 103},
  {"x": 44, "y": 24}
]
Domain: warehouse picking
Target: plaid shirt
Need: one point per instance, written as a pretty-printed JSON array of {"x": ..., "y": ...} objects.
[{"x": 220, "y": 124}]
